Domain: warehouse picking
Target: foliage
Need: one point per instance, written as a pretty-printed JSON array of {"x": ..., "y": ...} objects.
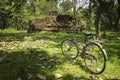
[
  {"x": 105, "y": 11},
  {"x": 66, "y": 6},
  {"x": 16, "y": 13},
  {"x": 11, "y": 13}
]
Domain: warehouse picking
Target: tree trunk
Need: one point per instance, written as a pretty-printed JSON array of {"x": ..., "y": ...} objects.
[
  {"x": 118, "y": 24},
  {"x": 96, "y": 23},
  {"x": 33, "y": 7},
  {"x": 89, "y": 20},
  {"x": 104, "y": 25},
  {"x": 75, "y": 11}
]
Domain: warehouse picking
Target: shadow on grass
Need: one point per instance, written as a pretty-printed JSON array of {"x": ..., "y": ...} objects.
[
  {"x": 27, "y": 65},
  {"x": 19, "y": 64},
  {"x": 19, "y": 36},
  {"x": 74, "y": 77},
  {"x": 112, "y": 46}
]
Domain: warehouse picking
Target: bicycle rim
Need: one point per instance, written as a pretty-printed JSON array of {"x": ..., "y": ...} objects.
[
  {"x": 95, "y": 58},
  {"x": 69, "y": 49}
]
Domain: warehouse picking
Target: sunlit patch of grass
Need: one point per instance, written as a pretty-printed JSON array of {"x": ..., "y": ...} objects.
[
  {"x": 112, "y": 71},
  {"x": 10, "y": 30}
]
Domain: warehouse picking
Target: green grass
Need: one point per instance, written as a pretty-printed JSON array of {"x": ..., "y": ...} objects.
[{"x": 24, "y": 56}]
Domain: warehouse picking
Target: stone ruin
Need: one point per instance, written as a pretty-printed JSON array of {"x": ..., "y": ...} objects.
[{"x": 53, "y": 22}]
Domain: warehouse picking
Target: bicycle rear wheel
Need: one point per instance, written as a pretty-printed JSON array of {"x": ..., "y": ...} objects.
[
  {"x": 95, "y": 58},
  {"x": 69, "y": 48}
]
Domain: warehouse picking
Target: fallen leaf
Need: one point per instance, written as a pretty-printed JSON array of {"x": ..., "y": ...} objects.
[
  {"x": 41, "y": 77},
  {"x": 75, "y": 77},
  {"x": 58, "y": 75},
  {"x": 57, "y": 61},
  {"x": 1, "y": 59},
  {"x": 30, "y": 75},
  {"x": 44, "y": 58},
  {"x": 19, "y": 78},
  {"x": 43, "y": 67}
]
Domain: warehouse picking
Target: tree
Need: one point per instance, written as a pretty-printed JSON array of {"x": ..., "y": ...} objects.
[
  {"x": 75, "y": 11},
  {"x": 106, "y": 14},
  {"x": 118, "y": 12},
  {"x": 66, "y": 6},
  {"x": 4, "y": 16}
]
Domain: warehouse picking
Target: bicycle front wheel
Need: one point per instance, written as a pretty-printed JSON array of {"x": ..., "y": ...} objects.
[
  {"x": 69, "y": 48},
  {"x": 95, "y": 57}
]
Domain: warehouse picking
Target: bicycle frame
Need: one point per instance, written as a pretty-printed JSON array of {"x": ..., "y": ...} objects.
[{"x": 85, "y": 42}]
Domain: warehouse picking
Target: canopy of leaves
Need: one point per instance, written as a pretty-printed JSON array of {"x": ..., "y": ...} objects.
[{"x": 66, "y": 6}]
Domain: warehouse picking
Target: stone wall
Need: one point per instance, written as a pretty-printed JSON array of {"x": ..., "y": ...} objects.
[{"x": 51, "y": 23}]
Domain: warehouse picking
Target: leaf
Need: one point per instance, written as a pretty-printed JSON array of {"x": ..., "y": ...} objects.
[
  {"x": 75, "y": 77},
  {"x": 1, "y": 59},
  {"x": 118, "y": 38},
  {"x": 19, "y": 78},
  {"x": 29, "y": 76},
  {"x": 44, "y": 58},
  {"x": 51, "y": 60},
  {"x": 41, "y": 77},
  {"x": 57, "y": 61},
  {"x": 43, "y": 67},
  {"x": 57, "y": 75}
]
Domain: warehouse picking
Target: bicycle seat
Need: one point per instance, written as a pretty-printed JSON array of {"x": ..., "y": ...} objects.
[{"x": 88, "y": 33}]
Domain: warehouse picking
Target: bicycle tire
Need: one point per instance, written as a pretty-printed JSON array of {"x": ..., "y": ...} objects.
[
  {"x": 95, "y": 57},
  {"x": 69, "y": 48}
]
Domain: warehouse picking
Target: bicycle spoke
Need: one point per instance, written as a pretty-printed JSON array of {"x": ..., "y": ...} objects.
[
  {"x": 69, "y": 49},
  {"x": 94, "y": 58}
]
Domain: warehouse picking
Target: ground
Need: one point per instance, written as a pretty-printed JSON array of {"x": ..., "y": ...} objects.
[{"x": 37, "y": 56}]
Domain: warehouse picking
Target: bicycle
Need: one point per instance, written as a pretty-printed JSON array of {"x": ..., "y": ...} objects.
[{"x": 92, "y": 52}]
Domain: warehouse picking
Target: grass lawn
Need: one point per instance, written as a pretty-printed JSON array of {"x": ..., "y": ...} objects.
[{"x": 37, "y": 56}]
